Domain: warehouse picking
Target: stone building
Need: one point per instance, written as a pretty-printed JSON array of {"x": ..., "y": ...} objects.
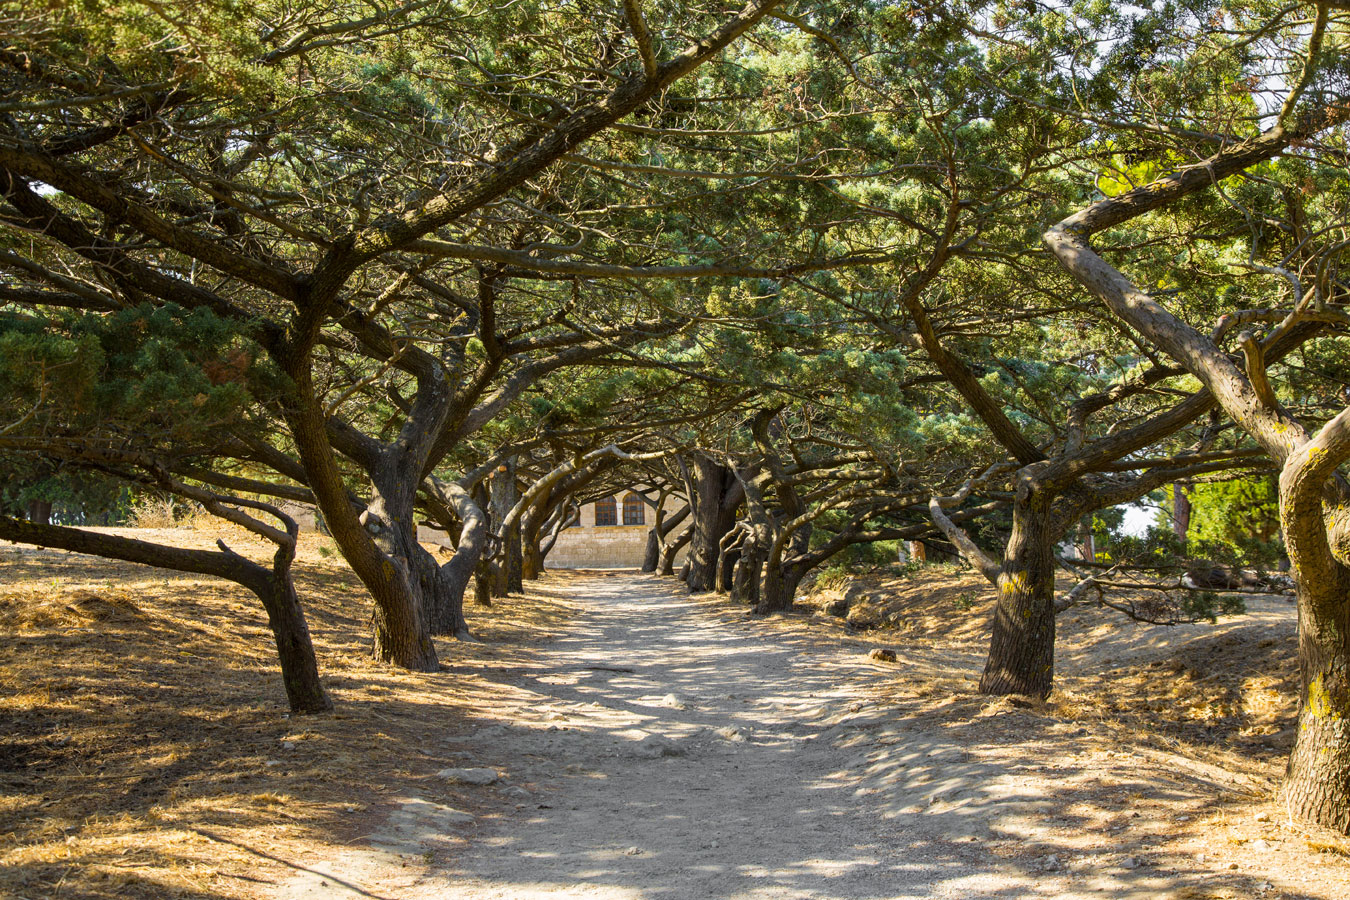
[{"x": 612, "y": 534}]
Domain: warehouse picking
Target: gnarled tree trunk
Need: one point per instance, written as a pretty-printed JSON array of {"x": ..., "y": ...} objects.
[
  {"x": 449, "y": 582},
  {"x": 295, "y": 649},
  {"x": 666, "y": 564},
  {"x": 747, "y": 575},
  {"x": 1022, "y": 647},
  {"x": 715, "y": 498},
  {"x": 379, "y": 544},
  {"x": 781, "y": 583},
  {"x": 402, "y": 629},
  {"x": 506, "y": 575},
  {"x": 784, "y": 570},
  {"x": 1317, "y": 536},
  {"x": 728, "y": 553},
  {"x": 656, "y": 537},
  {"x": 1317, "y": 779}
]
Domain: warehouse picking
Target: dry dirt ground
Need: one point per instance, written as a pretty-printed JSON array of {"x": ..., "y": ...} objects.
[{"x": 647, "y": 745}]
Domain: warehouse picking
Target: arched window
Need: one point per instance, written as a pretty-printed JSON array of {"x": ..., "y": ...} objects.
[
  {"x": 606, "y": 512},
  {"x": 634, "y": 512}
]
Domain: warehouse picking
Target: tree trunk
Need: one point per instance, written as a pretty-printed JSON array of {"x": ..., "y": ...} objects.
[
  {"x": 568, "y": 516},
  {"x": 785, "y": 568},
  {"x": 531, "y": 551},
  {"x": 780, "y": 586},
  {"x": 1022, "y": 649},
  {"x": 506, "y": 574},
  {"x": 401, "y": 626},
  {"x": 378, "y": 546},
  {"x": 656, "y": 540},
  {"x": 1317, "y": 780},
  {"x": 295, "y": 650},
  {"x": 446, "y": 584},
  {"x": 531, "y": 559},
  {"x": 1087, "y": 542},
  {"x": 714, "y": 515},
  {"x": 482, "y": 583},
  {"x": 1181, "y": 511},
  {"x": 514, "y": 562},
  {"x": 746, "y": 576},
  {"x": 40, "y": 512},
  {"x": 652, "y": 555},
  {"x": 728, "y": 553},
  {"x": 666, "y": 565}
]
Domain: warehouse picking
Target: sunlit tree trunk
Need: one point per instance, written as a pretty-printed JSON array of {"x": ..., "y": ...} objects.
[{"x": 1022, "y": 646}]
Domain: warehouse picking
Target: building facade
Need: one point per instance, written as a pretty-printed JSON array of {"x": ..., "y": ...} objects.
[{"x": 612, "y": 534}]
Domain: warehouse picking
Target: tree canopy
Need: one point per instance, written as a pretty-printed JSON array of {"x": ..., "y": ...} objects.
[{"x": 827, "y": 274}]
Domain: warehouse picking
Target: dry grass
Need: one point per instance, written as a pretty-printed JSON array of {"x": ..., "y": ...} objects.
[
  {"x": 1229, "y": 689},
  {"x": 1231, "y": 698},
  {"x": 1186, "y": 728},
  {"x": 145, "y": 749}
]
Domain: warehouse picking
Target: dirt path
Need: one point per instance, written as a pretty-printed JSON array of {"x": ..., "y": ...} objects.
[
  {"x": 694, "y": 768},
  {"x": 657, "y": 751}
]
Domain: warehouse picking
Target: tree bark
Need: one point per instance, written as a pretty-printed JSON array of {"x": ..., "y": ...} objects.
[
  {"x": 40, "y": 512},
  {"x": 716, "y": 496},
  {"x": 505, "y": 494},
  {"x": 780, "y": 585},
  {"x": 482, "y": 584},
  {"x": 652, "y": 554},
  {"x": 1317, "y": 779},
  {"x": 666, "y": 526},
  {"x": 1022, "y": 647},
  {"x": 729, "y": 551},
  {"x": 402, "y": 629},
  {"x": 666, "y": 564},
  {"x": 295, "y": 649},
  {"x": 747, "y": 575},
  {"x": 656, "y": 537},
  {"x": 1087, "y": 542},
  {"x": 450, "y": 581},
  {"x": 1313, "y": 517},
  {"x": 1181, "y": 511},
  {"x": 531, "y": 540},
  {"x": 568, "y": 515},
  {"x": 786, "y": 566},
  {"x": 531, "y": 556}
]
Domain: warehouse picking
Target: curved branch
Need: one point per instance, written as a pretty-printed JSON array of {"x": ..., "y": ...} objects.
[{"x": 970, "y": 551}]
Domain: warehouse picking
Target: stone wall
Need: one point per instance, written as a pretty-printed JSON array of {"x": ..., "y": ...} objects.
[{"x": 607, "y": 547}]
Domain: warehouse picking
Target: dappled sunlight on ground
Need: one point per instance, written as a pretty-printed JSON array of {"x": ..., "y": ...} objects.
[
  {"x": 649, "y": 746},
  {"x": 145, "y": 748}
]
